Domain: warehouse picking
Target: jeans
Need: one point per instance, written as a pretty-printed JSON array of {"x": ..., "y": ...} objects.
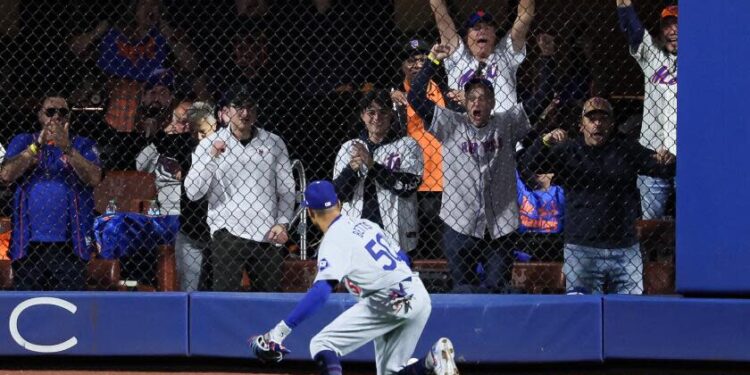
[
  {"x": 655, "y": 193},
  {"x": 595, "y": 270},
  {"x": 465, "y": 253}
]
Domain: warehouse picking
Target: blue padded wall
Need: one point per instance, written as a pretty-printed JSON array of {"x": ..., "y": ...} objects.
[
  {"x": 92, "y": 323},
  {"x": 484, "y": 328}
]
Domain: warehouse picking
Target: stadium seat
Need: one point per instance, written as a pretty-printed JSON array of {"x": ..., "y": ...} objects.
[
  {"x": 538, "y": 277},
  {"x": 6, "y": 275},
  {"x": 298, "y": 275},
  {"x": 129, "y": 189},
  {"x": 103, "y": 274},
  {"x": 6, "y": 272},
  {"x": 657, "y": 238},
  {"x": 434, "y": 274},
  {"x": 166, "y": 273},
  {"x": 132, "y": 191},
  {"x": 658, "y": 277}
]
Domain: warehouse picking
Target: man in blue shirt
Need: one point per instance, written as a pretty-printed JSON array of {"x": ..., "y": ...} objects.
[{"x": 53, "y": 206}]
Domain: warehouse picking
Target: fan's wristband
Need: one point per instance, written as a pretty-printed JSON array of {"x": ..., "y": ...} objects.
[
  {"x": 432, "y": 58},
  {"x": 33, "y": 148},
  {"x": 546, "y": 142}
]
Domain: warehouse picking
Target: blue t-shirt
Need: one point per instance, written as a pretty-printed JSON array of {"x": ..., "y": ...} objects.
[{"x": 49, "y": 187}]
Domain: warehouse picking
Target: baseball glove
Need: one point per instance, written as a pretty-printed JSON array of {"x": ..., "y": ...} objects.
[{"x": 266, "y": 350}]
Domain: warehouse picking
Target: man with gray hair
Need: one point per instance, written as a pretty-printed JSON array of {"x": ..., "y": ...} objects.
[
  {"x": 191, "y": 245},
  {"x": 202, "y": 120}
]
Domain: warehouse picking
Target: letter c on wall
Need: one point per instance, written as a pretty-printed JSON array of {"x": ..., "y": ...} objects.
[{"x": 16, "y": 313}]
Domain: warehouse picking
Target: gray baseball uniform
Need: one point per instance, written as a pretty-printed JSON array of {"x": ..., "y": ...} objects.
[{"x": 393, "y": 306}]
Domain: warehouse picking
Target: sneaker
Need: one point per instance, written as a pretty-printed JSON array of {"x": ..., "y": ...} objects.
[{"x": 441, "y": 358}]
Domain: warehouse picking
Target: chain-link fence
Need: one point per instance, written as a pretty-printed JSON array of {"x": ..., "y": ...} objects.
[{"x": 165, "y": 144}]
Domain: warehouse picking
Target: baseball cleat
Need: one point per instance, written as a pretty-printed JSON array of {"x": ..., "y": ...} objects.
[{"x": 443, "y": 361}]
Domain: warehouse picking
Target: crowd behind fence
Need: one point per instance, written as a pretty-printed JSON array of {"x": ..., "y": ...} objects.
[{"x": 507, "y": 146}]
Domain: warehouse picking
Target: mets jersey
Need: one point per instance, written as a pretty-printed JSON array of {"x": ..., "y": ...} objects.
[{"x": 659, "y": 126}]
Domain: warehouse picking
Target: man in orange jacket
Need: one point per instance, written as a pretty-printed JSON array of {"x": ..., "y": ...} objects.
[{"x": 430, "y": 192}]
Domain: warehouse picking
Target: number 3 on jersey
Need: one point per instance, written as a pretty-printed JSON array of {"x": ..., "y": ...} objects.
[{"x": 378, "y": 249}]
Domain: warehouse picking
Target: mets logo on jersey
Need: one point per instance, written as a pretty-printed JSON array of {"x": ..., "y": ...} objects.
[
  {"x": 322, "y": 264},
  {"x": 393, "y": 162}
]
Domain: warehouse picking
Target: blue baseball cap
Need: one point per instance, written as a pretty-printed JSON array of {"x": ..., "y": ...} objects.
[
  {"x": 320, "y": 195},
  {"x": 477, "y": 17},
  {"x": 160, "y": 77}
]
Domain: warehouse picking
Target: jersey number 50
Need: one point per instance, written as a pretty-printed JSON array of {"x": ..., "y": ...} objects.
[{"x": 378, "y": 249}]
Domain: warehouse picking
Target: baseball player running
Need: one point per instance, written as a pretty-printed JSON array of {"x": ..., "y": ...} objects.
[{"x": 393, "y": 305}]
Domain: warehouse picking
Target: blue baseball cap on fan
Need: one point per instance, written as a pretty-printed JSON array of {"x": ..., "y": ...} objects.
[
  {"x": 477, "y": 17},
  {"x": 320, "y": 195}
]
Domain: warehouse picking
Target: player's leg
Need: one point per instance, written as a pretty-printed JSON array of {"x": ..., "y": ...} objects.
[
  {"x": 348, "y": 332},
  {"x": 393, "y": 350}
]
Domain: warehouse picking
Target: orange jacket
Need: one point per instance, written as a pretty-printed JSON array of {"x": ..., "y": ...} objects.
[{"x": 432, "y": 179}]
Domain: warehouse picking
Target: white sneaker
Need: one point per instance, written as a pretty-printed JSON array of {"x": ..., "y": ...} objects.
[{"x": 442, "y": 358}]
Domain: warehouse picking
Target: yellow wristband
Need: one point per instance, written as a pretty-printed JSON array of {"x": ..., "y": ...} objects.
[
  {"x": 432, "y": 58},
  {"x": 546, "y": 143},
  {"x": 33, "y": 148}
]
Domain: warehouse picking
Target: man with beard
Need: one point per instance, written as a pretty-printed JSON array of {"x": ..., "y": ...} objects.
[
  {"x": 122, "y": 148},
  {"x": 480, "y": 53},
  {"x": 598, "y": 172},
  {"x": 245, "y": 173},
  {"x": 479, "y": 206},
  {"x": 657, "y": 58}
]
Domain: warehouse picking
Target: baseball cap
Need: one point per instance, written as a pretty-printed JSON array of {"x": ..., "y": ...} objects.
[
  {"x": 477, "y": 17},
  {"x": 670, "y": 11},
  {"x": 238, "y": 96},
  {"x": 415, "y": 47},
  {"x": 160, "y": 77},
  {"x": 597, "y": 104},
  {"x": 320, "y": 195}
]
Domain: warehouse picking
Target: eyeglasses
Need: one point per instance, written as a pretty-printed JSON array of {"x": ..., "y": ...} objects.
[
  {"x": 382, "y": 112},
  {"x": 51, "y": 112},
  {"x": 416, "y": 59}
]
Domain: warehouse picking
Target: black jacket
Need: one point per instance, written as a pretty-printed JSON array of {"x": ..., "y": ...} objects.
[{"x": 602, "y": 201}]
